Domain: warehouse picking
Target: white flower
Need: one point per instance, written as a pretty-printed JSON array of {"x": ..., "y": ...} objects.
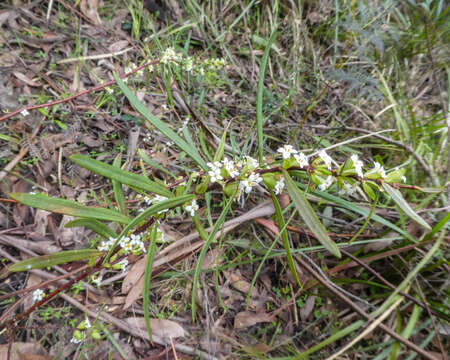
[
  {"x": 126, "y": 244},
  {"x": 325, "y": 158},
  {"x": 247, "y": 184},
  {"x": 38, "y": 295},
  {"x": 215, "y": 171},
  {"x": 87, "y": 323},
  {"x": 123, "y": 264},
  {"x": 170, "y": 56},
  {"x": 301, "y": 159},
  {"x": 24, "y": 112},
  {"x": 192, "y": 207},
  {"x": 156, "y": 199},
  {"x": 106, "y": 245},
  {"x": 97, "y": 279},
  {"x": 348, "y": 189},
  {"x": 279, "y": 186},
  {"x": 287, "y": 151},
  {"x": 358, "y": 164},
  {"x": 188, "y": 64},
  {"x": 251, "y": 163},
  {"x": 230, "y": 167},
  {"x": 379, "y": 169},
  {"x": 326, "y": 184},
  {"x": 404, "y": 179},
  {"x": 74, "y": 340}
]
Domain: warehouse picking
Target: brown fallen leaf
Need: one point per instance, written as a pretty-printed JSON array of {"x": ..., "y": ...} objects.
[
  {"x": 90, "y": 9},
  {"x": 162, "y": 328},
  {"x": 245, "y": 319},
  {"x": 24, "y": 351}
]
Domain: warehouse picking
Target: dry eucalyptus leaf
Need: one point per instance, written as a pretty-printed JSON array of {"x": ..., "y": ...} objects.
[
  {"x": 23, "y": 350},
  {"x": 245, "y": 319},
  {"x": 165, "y": 329}
]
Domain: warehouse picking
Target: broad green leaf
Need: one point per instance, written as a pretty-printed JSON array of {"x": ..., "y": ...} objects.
[
  {"x": 96, "y": 226},
  {"x": 160, "y": 125},
  {"x": 124, "y": 177},
  {"x": 69, "y": 207},
  {"x": 401, "y": 202},
  {"x": 284, "y": 237},
  {"x": 117, "y": 188},
  {"x": 310, "y": 218},
  {"x": 259, "y": 95},
  {"x": 147, "y": 214},
  {"x": 62, "y": 257}
]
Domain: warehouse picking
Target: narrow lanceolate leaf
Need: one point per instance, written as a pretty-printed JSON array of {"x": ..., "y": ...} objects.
[
  {"x": 221, "y": 149},
  {"x": 124, "y": 177},
  {"x": 117, "y": 188},
  {"x": 308, "y": 215},
  {"x": 96, "y": 226},
  {"x": 62, "y": 257},
  {"x": 160, "y": 125},
  {"x": 401, "y": 202},
  {"x": 68, "y": 207}
]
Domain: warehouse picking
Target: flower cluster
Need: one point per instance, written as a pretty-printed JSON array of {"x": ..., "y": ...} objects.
[
  {"x": 132, "y": 244},
  {"x": 83, "y": 330},
  {"x": 192, "y": 207},
  {"x": 228, "y": 168}
]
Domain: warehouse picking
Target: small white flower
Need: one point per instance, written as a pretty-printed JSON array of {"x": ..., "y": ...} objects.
[
  {"x": 325, "y": 158},
  {"x": 348, "y": 189},
  {"x": 192, "y": 207},
  {"x": 279, "y": 186},
  {"x": 404, "y": 179},
  {"x": 251, "y": 163},
  {"x": 123, "y": 264},
  {"x": 247, "y": 184},
  {"x": 38, "y": 295},
  {"x": 326, "y": 184},
  {"x": 379, "y": 169},
  {"x": 301, "y": 159},
  {"x": 188, "y": 64},
  {"x": 74, "y": 340},
  {"x": 358, "y": 164},
  {"x": 87, "y": 323},
  {"x": 170, "y": 56},
  {"x": 106, "y": 245},
  {"x": 230, "y": 167},
  {"x": 215, "y": 171},
  {"x": 214, "y": 165},
  {"x": 24, "y": 112},
  {"x": 97, "y": 279},
  {"x": 287, "y": 151}
]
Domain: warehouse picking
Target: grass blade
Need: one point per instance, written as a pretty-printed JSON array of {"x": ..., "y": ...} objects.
[
  {"x": 401, "y": 202},
  {"x": 62, "y": 257},
  {"x": 124, "y": 177},
  {"x": 69, "y": 207},
  {"x": 309, "y": 216},
  {"x": 259, "y": 95},
  {"x": 284, "y": 237},
  {"x": 160, "y": 125},
  {"x": 117, "y": 188},
  {"x": 208, "y": 242},
  {"x": 147, "y": 279}
]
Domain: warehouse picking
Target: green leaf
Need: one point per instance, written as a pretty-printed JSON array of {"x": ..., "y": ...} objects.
[
  {"x": 284, "y": 237},
  {"x": 124, "y": 177},
  {"x": 221, "y": 148},
  {"x": 160, "y": 125},
  {"x": 96, "y": 226},
  {"x": 62, "y": 257},
  {"x": 310, "y": 218},
  {"x": 401, "y": 202},
  {"x": 259, "y": 95},
  {"x": 154, "y": 163},
  {"x": 147, "y": 279},
  {"x": 117, "y": 188},
  {"x": 68, "y": 207}
]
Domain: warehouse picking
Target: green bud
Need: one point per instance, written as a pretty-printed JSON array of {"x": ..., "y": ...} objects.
[
  {"x": 270, "y": 179},
  {"x": 203, "y": 186},
  {"x": 95, "y": 334},
  {"x": 77, "y": 334},
  {"x": 288, "y": 163},
  {"x": 367, "y": 186}
]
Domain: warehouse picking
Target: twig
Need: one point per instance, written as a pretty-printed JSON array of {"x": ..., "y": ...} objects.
[
  {"x": 94, "y": 57},
  {"x": 84, "y": 92}
]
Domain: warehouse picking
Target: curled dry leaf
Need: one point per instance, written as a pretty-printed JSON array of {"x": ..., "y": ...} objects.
[
  {"x": 162, "y": 328},
  {"x": 245, "y": 319}
]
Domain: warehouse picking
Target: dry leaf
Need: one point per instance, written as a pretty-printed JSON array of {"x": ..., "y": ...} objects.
[
  {"x": 307, "y": 310},
  {"x": 25, "y": 79},
  {"x": 165, "y": 329},
  {"x": 22, "y": 350},
  {"x": 118, "y": 45},
  {"x": 245, "y": 319},
  {"x": 89, "y": 8},
  {"x": 238, "y": 282}
]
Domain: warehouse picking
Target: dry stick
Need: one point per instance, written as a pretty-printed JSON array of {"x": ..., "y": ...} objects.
[
  {"x": 384, "y": 281},
  {"x": 135, "y": 331},
  {"x": 69, "y": 98},
  {"x": 361, "y": 312}
]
